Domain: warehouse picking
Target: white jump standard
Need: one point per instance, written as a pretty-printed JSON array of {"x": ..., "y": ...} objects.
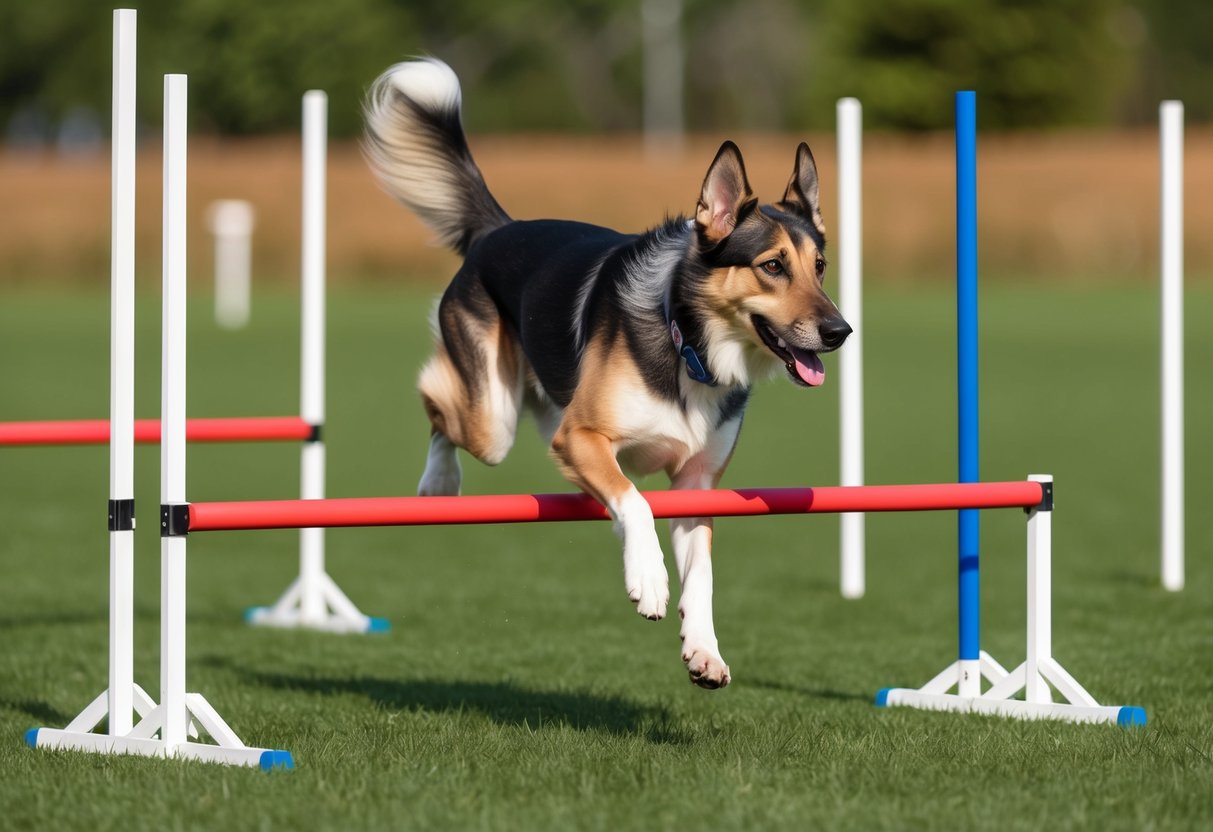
[
  {"x": 313, "y": 600},
  {"x": 973, "y": 664},
  {"x": 165, "y": 729},
  {"x": 1038, "y": 671}
]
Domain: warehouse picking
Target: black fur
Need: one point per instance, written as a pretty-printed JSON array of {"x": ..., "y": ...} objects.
[{"x": 556, "y": 283}]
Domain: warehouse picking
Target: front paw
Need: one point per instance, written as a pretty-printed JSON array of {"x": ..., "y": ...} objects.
[
  {"x": 706, "y": 668},
  {"x": 646, "y": 581}
]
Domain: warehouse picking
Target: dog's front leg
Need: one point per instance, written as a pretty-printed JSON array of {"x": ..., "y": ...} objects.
[
  {"x": 588, "y": 460},
  {"x": 692, "y": 541}
]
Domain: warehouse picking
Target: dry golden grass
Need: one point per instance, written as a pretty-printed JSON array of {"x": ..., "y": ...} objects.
[{"x": 1084, "y": 205}]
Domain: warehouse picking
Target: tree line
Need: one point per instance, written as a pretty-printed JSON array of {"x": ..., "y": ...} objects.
[{"x": 576, "y": 65}]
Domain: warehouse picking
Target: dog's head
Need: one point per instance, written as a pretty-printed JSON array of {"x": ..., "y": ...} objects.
[{"x": 764, "y": 267}]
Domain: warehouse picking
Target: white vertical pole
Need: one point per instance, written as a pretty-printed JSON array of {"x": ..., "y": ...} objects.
[
  {"x": 231, "y": 222},
  {"x": 122, "y": 370},
  {"x": 1040, "y": 595},
  {"x": 1171, "y": 118},
  {"x": 661, "y": 33},
  {"x": 850, "y": 358},
  {"x": 311, "y": 541},
  {"x": 172, "y": 415}
]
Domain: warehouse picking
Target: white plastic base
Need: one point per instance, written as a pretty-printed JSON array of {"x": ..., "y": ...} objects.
[
  {"x": 263, "y": 758},
  {"x": 1005, "y": 707},
  {"x": 142, "y": 740},
  {"x": 328, "y": 610},
  {"x": 1079, "y": 706}
]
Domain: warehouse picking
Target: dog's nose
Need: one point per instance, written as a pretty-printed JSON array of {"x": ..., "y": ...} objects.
[{"x": 833, "y": 332}]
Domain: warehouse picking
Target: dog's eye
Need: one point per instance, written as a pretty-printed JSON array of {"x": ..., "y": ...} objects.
[
  {"x": 821, "y": 267},
  {"x": 772, "y": 267}
]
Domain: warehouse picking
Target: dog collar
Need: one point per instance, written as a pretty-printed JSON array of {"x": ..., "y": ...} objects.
[{"x": 697, "y": 368}]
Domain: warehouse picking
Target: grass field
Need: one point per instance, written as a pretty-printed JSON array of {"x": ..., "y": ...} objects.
[{"x": 518, "y": 690}]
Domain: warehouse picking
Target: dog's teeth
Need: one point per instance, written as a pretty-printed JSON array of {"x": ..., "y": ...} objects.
[{"x": 783, "y": 345}]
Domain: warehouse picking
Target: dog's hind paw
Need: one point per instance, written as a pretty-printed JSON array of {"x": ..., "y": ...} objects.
[{"x": 707, "y": 670}]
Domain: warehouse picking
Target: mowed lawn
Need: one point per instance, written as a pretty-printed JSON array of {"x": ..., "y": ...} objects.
[{"x": 517, "y": 689}]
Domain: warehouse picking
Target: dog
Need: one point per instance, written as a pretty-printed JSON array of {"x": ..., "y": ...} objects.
[{"x": 634, "y": 352}]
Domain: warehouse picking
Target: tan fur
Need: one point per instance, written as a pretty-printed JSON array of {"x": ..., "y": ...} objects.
[
  {"x": 584, "y": 444},
  {"x": 792, "y": 305},
  {"x": 484, "y": 425}
]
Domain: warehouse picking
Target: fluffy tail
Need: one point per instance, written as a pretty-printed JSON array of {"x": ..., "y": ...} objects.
[{"x": 416, "y": 146}]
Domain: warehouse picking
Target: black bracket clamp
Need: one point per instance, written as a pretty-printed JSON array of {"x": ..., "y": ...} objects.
[
  {"x": 122, "y": 515},
  {"x": 174, "y": 519},
  {"x": 1046, "y": 499}
]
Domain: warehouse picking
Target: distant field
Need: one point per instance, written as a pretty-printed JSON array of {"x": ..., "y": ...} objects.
[
  {"x": 1062, "y": 206},
  {"x": 517, "y": 688}
]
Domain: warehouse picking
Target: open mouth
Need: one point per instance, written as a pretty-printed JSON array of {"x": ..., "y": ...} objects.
[{"x": 804, "y": 367}]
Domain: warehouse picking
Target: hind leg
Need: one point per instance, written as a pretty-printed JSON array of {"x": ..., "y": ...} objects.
[
  {"x": 471, "y": 388},
  {"x": 442, "y": 476}
]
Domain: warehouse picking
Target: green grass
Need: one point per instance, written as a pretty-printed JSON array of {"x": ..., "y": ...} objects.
[{"x": 518, "y": 690}]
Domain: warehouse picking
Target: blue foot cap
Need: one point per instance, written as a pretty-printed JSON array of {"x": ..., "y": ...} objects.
[
  {"x": 271, "y": 760},
  {"x": 377, "y": 625},
  {"x": 251, "y": 613},
  {"x": 31, "y": 737},
  {"x": 1130, "y": 715},
  {"x": 882, "y": 697}
]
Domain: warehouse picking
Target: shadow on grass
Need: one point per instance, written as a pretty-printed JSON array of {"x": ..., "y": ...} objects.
[
  {"x": 98, "y": 616},
  {"x": 502, "y": 702},
  {"x": 53, "y": 619},
  {"x": 42, "y": 713},
  {"x": 813, "y": 693},
  {"x": 1134, "y": 579}
]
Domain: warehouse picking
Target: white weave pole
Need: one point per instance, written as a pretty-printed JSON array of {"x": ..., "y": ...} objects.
[
  {"x": 173, "y": 717},
  {"x": 850, "y": 358},
  {"x": 174, "y": 713},
  {"x": 122, "y": 695},
  {"x": 122, "y": 376},
  {"x": 1171, "y": 125},
  {"x": 315, "y": 148}
]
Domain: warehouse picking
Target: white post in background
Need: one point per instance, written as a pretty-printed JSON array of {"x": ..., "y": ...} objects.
[
  {"x": 311, "y": 541},
  {"x": 231, "y": 222},
  {"x": 313, "y": 599},
  {"x": 850, "y": 357},
  {"x": 661, "y": 25},
  {"x": 172, "y": 416},
  {"x": 1171, "y": 123},
  {"x": 122, "y": 376}
]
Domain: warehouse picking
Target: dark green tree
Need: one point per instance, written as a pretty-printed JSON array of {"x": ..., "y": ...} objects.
[{"x": 1033, "y": 62}]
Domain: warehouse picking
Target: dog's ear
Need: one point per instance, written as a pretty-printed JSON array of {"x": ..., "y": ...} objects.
[
  {"x": 725, "y": 192},
  {"x": 803, "y": 192}
]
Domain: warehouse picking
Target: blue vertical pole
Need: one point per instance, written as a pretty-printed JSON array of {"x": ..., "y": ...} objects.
[{"x": 966, "y": 367}]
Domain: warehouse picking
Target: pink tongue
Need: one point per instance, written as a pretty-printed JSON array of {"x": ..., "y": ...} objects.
[{"x": 809, "y": 367}]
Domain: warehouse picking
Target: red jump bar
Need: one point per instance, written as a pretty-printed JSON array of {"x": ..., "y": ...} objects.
[
  {"x": 97, "y": 431},
  {"x": 538, "y": 508}
]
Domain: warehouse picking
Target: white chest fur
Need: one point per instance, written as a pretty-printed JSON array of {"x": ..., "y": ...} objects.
[{"x": 657, "y": 434}]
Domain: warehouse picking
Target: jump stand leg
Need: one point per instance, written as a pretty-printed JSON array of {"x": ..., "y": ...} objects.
[
  {"x": 314, "y": 601},
  {"x": 1040, "y": 674},
  {"x": 122, "y": 696},
  {"x": 165, "y": 730}
]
